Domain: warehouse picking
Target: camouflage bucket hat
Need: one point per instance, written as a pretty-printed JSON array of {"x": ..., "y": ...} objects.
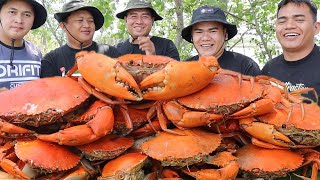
[
  {"x": 75, "y": 5},
  {"x": 209, "y": 14},
  {"x": 39, "y": 11},
  {"x": 139, "y": 4}
]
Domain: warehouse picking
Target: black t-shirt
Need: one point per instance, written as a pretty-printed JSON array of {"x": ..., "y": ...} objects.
[
  {"x": 164, "y": 47},
  {"x": 64, "y": 57},
  {"x": 236, "y": 62},
  {"x": 303, "y": 73}
]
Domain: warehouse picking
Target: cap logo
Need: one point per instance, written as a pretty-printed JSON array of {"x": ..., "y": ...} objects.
[{"x": 207, "y": 10}]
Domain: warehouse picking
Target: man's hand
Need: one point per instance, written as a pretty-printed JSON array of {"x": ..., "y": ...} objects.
[{"x": 145, "y": 44}]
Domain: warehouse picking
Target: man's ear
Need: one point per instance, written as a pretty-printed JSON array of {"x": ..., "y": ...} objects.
[
  {"x": 61, "y": 24},
  {"x": 317, "y": 27}
]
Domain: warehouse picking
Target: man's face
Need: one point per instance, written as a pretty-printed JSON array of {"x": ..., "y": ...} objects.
[
  {"x": 139, "y": 22},
  {"x": 17, "y": 18},
  {"x": 81, "y": 25},
  {"x": 295, "y": 27},
  {"x": 208, "y": 38}
]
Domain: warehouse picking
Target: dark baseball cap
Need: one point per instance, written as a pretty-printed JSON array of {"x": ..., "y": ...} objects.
[
  {"x": 75, "y": 5},
  {"x": 139, "y": 4},
  {"x": 208, "y": 14},
  {"x": 40, "y": 13}
]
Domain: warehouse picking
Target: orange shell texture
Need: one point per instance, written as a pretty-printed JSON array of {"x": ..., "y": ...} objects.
[
  {"x": 279, "y": 117},
  {"x": 108, "y": 147},
  {"x": 261, "y": 162},
  {"x": 178, "y": 150},
  {"x": 224, "y": 90},
  {"x": 126, "y": 164},
  {"x": 47, "y": 98},
  {"x": 49, "y": 157},
  {"x": 139, "y": 58}
]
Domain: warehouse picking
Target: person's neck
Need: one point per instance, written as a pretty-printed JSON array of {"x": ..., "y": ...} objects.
[
  {"x": 294, "y": 55},
  {"x": 76, "y": 45},
  {"x": 8, "y": 41}
]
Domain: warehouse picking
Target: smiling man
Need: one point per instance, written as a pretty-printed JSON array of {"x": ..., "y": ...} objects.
[
  {"x": 139, "y": 17},
  {"x": 209, "y": 32},
  {"x": 19, "y": 59},
  {"x": 79, "y": 21},
  {"x": 296, "y": 27}
]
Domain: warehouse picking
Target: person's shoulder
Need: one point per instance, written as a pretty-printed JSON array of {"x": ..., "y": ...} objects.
[
  {"x": 122, "y": 42},
  {"x": 107, "y": 49},
  {"x": 241, "y": 57},
  {"x": 162, "y": 39},
  {"x": 274, "y": 60},
  {"x": 31, "y": 48},
  {"x": 56, "y": 51}
]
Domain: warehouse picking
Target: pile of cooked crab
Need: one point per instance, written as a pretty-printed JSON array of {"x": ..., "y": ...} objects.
[{"x": 151, "y": 117}]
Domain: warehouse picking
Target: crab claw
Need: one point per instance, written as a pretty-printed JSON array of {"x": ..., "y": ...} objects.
[
  {"x": 99, "y": 125},
  {"x": 107, "y": 75},
  {"x": 265, "y": 132},
  {"x": 173, "y": 81}
]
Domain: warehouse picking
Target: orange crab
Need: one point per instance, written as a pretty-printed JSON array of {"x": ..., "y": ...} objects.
[
  {"x": 229, "y": 95},
  {"x": 108, "y": 147},
  {"x": 127, "y": 166},
  {"x": 57, "y": 158},
  {"x": 272, "y": 163},
  {"x": 196, "y": 146},
  {"x": 136, "y": 77},
  {"x": 293, "y": 126},
  {"x": 37, "y": 105}
]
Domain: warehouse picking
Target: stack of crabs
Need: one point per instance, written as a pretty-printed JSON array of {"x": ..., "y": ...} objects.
[{"x": 151, "y": 117}]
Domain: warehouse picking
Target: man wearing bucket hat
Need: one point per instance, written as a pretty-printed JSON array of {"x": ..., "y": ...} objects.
[
  {"x": 79, "y": 21},
  {"x": 19, "y": 59},
  {"x": 209, "y": 32},
  {"x": 139, "y": 17}
]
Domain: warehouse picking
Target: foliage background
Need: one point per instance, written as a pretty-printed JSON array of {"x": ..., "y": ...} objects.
[{"x": 254, "y": 18}]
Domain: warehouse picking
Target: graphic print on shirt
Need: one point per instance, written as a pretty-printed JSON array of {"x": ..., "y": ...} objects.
[
  {"x": 23, "y": 71},
  {"x": 294, "y": 87}
]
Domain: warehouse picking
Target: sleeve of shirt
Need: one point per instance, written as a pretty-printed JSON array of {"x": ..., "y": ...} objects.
[
  {"x": 172, "y": 51},
  {"x": 47, "y": 67}
]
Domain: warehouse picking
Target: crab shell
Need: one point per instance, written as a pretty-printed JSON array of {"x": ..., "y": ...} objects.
[
  {"x": 46, "y": 156},
  {"x": 224, "y": 95},
  {"x": 177, "y": 150},
  {"x": 42, "y": 101},
  {"x": 108, "y": 147},
  {"x": 127, "y": 166},
  {"x": 267, "y": 163},
  {"x": 303, "y": 125}
]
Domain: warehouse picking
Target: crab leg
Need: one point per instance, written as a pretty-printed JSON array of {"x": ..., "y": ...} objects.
[
  {"x": 172, "y": 81},
  {"x": 8, "y": 130},
  {"x": 100, "y": 125},
  {"x": 229, "y": 169},
  {"x": 13, "y": 169},
  {"x": 260, "y": 107}
]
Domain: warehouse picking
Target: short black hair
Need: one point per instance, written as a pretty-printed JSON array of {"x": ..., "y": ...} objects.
[
  {"x": 309, "y": 3},
  {"x": 3, "y": 3}
]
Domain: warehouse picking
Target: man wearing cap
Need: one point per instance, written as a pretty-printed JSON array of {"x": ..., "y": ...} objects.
[
  {"x": 19, "y": 59},
  {"x": 139, "y": 17},
  {"x": 79, "y": 21},
  {"x": 209, "y": 32}
]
